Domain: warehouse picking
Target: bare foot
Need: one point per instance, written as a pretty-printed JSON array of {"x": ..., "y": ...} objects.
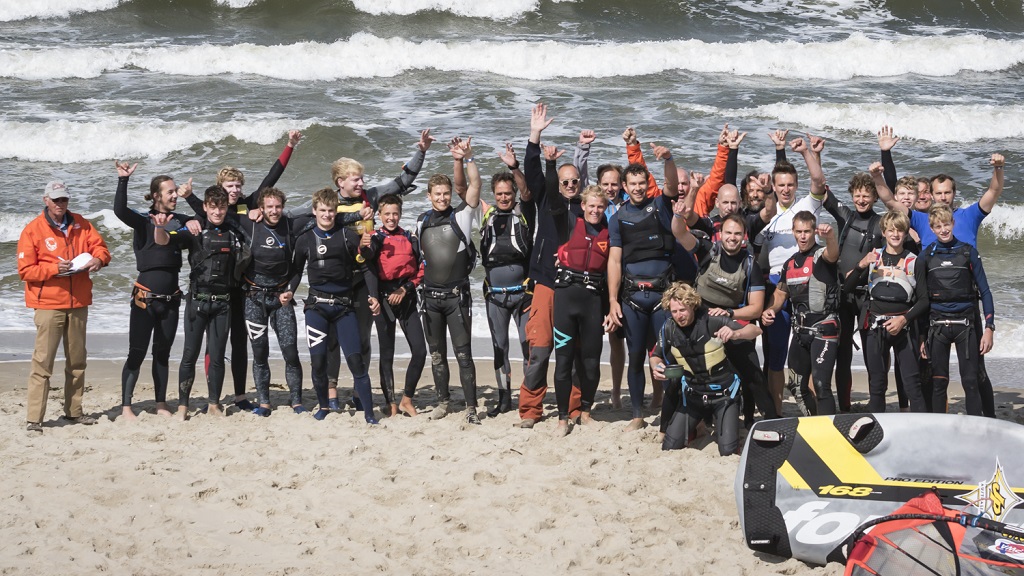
[
  {"x": 127, "y": 415},
  {"x": 407, "y": 406},
  {"x": 661, "y": 437},
  {"x": 590, "y": 423},
  {"x": 393, "y": 410},
  {"x": 182, "y": 414},
  {"x": 636, "y": 424},
  {"x": 214, "y": 410},
  {"x": 163, "y": 410},
  {"x": 563, "y": 428}
]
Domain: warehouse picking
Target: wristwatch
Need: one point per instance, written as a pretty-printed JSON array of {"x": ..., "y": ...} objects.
[{"x": 991, "y": 327}]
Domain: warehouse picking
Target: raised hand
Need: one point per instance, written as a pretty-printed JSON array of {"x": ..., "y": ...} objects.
[
  {"x": 465, "y": 147},
  {"x": 778, "y": 137},
  {"x": 661, "y": 152},
  {"x": 629, "y": 135},
  {"x": 293, "y": 138},
  {"x": 455, "y": 147},
  {"x": 509, "y": 156},
  {"x": 798, "y": 145},
  {"x": 876, "y": 169},
  {"x": 159, "y": 219},
  {"x": 887, "y": 138},
  {"x": 552, "y": 153},
  {"x": 997, "y": 161},
  {"x": 735, "y": 137},
  {"x": 723, "y": 136},
  {"x": 425, "y": 140},
  {"x": 539, "y": 118},
  {"x": 587, "y": 136},
  {"x": 185, "y": 190},
  {"x": 824, "y": 230},
  {"x": 123, "y": 170},
  {"x": 817, "y": 144},
  {"x": 696, "y": 181}
]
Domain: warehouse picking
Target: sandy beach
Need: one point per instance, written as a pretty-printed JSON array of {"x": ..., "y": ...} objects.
[{"x": 287, "y": 494}]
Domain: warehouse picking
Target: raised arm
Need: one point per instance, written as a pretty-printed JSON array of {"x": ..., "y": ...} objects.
[
  {"x": 121, "y": 210},
  {"x": 812, "y": 156},
  {"x": 778, "y": 138},
  {"x": 635, "y": 155},
  {"x": 671, "y": 174},
  {"x": 995, "y": 188},
  {"x": 827, "y": 232},
  {"x": 472, "y": 197},
  {"x": 706, "y": 194},
  {"x": 886, "y": 140},
  {"x": 533, "y": 172},
  {"x": 884, "y": 193},
  {"x": 458, "y": 171},
  {"x": 680, "y": 229},
  {"x": 402, "y": 184},
  {"x": 510, "y": 160},
  {"x": 581, "y": 156},
  {"x": 276, "y": 170}
]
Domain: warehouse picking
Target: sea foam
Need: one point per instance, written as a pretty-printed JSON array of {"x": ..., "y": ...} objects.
[
  {"x": 367, "y": 56},
  {"x": 68, "y": 141},
  {"x": 12, "y": 10}
]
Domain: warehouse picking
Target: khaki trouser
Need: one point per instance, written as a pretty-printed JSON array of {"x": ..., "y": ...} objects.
[{"x": 52, "y": 326}]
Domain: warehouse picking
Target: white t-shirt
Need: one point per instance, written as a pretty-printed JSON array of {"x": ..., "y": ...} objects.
[{"x": 777, "y": 237}]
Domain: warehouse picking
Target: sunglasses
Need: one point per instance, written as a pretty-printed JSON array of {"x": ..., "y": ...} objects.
[
  {"x": 571, "y": 181},
  {"x": 59, "y": 200}
]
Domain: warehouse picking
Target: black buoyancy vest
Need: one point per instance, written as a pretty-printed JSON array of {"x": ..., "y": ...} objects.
[
  {"x": 219, "y": 262},
  {"x": 272, "y": 250},
  {"x": 697, "y": 350},
  {"x": 950, "y": 275},
  {"x": 329, "y": 257},
  {"x": 443, "y": 263},
  {"x": 892, "y": 283},
  {"x": 807, "y": 292},
  {"x": 720, "y": 288},
  {"x": 584, "y": 252},
  {"x": 153, "y": 256},
  {"x": 642, "y": 235},
  {"x": 858, "y": 237},
  {"x": 504, "y": 238}
]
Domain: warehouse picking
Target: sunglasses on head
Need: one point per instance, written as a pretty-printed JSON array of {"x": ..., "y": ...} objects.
[{"x": 572, "y": 181}]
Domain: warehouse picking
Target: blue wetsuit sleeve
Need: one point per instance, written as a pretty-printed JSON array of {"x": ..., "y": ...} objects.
[
  {"x": 614, "y": 238},
  {"x": 889, "y": 170},
  {"x": 987, "y": 305}
]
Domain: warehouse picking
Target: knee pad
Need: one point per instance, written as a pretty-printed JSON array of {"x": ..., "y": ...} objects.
[{"x": 355, "y": 364}]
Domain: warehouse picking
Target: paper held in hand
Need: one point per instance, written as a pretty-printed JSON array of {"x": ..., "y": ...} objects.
[{"x": 78, "y": 263}]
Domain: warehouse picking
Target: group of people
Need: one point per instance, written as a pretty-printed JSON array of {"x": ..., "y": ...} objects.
[{"x": 681, "y": 277}]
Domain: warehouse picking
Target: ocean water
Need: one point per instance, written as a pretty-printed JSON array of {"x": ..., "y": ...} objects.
[{"x": 188, "y": 86}]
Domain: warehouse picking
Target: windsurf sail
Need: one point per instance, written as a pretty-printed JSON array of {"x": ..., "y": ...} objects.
[{"x": 923, "y": 537}]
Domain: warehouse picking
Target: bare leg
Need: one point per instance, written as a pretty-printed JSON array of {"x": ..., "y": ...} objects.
[
  {"x": 407, "y": 406},
  {"x": 776, "y": 384},
  {"x": 127, "y": 414}
]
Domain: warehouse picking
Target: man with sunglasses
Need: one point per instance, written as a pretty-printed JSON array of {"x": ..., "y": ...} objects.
[{"x": 56, "y": 253}]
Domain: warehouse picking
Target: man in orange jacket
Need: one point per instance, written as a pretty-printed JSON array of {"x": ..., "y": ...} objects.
[{"x": 56, "y": 253}]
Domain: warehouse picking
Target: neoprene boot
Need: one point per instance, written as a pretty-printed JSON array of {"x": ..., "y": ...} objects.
[{"x": 504, "y": 403}]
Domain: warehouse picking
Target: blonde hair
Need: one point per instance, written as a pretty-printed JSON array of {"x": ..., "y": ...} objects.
[
  {"x": 894, "y": 219},
  {"x": 594, "y": 191},
  {"x": 682, "y": 292},
  {"x": 326, "y": 196},
  {"x": 939, "y": 213},
  {"x": 230, "y": 174},
  {"x": 343, "y": 168}
]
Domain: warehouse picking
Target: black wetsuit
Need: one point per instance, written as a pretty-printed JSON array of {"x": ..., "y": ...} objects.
[
  {"x": 214, "y": 256},
  {"x": 156, "y": 298},
  {"x": 448, "y": 258},
  {"x": 709, "y": 387},
  {"x": 330, "y": 308},
  {"x": 265, "y": 280}
]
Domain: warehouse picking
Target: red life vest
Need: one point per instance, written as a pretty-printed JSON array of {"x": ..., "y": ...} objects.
[
  {"x": 399, "y": 257},
  {"x": 584, "y": 252}
]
